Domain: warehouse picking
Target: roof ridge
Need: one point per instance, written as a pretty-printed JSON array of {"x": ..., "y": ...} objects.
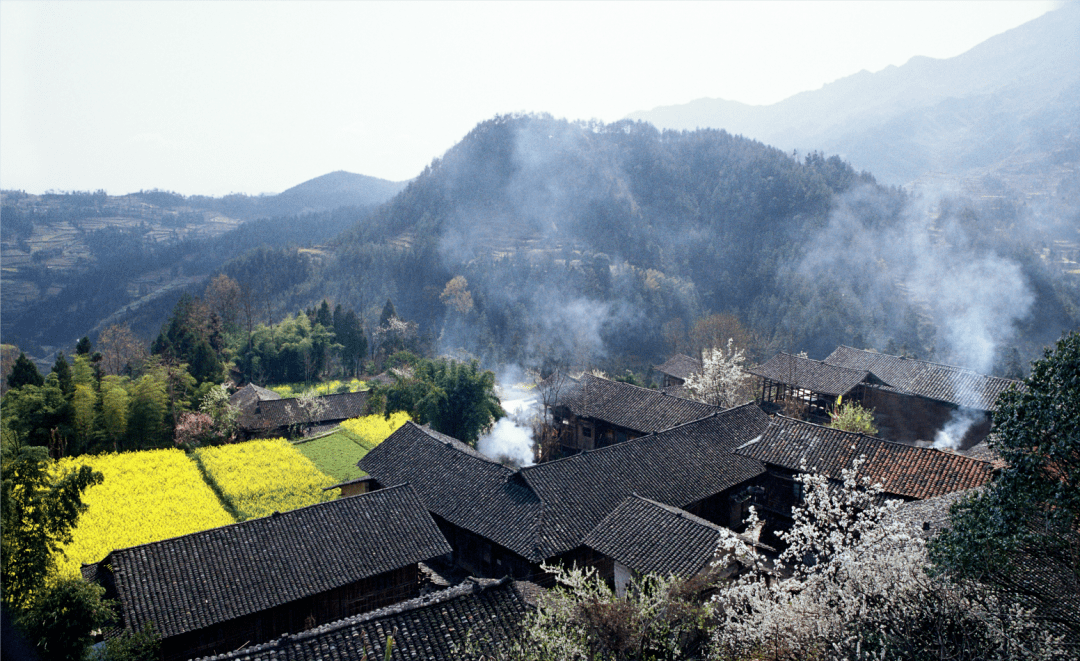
[
  {"x": 648, "y": 390},
  {"x": 470, "y": 585},
  {"x": 251, "y": 521},
  {"x": 872, "y": 438},
  {"x": 434, "y": 436},
  {"x": 927, "y": 362}
]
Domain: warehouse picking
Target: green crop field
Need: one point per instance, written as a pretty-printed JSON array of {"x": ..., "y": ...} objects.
[{"x": 336, "y": 454}]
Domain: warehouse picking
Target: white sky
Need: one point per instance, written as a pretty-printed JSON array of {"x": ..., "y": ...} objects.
[{"x": 251, "y": 97}]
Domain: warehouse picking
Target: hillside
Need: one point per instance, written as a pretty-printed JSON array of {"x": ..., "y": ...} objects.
[
  {"x": 604, "y": 243},
  {"x": 76, "y": 262},
  {"x": 1013, "y": 99}
]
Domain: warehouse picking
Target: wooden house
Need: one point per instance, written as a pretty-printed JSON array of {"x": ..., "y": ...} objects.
[
  {"x": 479, "y": 615},
  {"x": 918, "y": 398},
  {"x": 810, "y": 386},
  {"x": 789, "y": 447},
  {"x": 220, "y": 589},
  {"x": 642, "y": 536},
  {"x": 263, "y": 417},
  {"x": 594, "y": 412},
  {"x": 677, "y": 369},
  {"x": 506, "y": 522}
]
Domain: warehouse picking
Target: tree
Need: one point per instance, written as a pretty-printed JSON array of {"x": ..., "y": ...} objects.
[
  {"x": 853, "y": 417},
  {"x": 83, "y": 347},
  {"x": 456, "y": 295},
  {"x": 40, "y": 415},
  {"x": 24, "y": 372},
  {"x": 62, "y": 370},
  {"x": 388, "y": 313},
  {"x": 39, "y": 510},
  {"x": 114, "y": 409},
  {"x": 457, "y": 399},
  {"x": 120, "y": 349},
  {"x": 1029, "y": 513},
  {"x": 224, "y": 297},
  {"x": 722, "y": 381},
  {"x": 859, "y": 589},
  {"x": 61, "y": 621}
]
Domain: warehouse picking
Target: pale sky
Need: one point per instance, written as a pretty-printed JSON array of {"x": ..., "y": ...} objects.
[{"x": 256, "y": 97}]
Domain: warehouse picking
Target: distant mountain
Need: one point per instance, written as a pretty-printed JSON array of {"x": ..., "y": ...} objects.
[
  {"x": 334, "y": 190},
  {"x": 1014, "y": 98}
]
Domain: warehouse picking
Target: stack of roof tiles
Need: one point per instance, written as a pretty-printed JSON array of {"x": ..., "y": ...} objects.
[
  {"x": 476, "y": 616},
  {"x": 628, "y": 406},
  {"x": 639, "y": 534},
  {"x": 944, "y": 383},
  {"x": 188, "y": 583},
  {"x": 544, "y": 510},
  {"x": 902, "y": 470},
  {"x": 813, "y": 375}
]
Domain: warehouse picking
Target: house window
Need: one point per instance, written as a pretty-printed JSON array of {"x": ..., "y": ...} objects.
[
  {"x": 797, "y": 490},
  {"x": 586, "y": 432}
]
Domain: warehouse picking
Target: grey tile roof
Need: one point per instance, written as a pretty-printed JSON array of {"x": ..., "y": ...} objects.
[
  {"x": 813, "y": 375},
  {"x": 678, "y": 467},
  {"x": 902, "y": 470},
  {"x": 272, "y": 414},
  {"x": 478, "y": 616},
  {"x": 543, "y": 510},
  {"x": 631, "y": 407},
  {"x": 206, "y": 578},
  {"x": 680, "y": 366},
  {"x": 460, "y": 485},
  {"x": 945, "y": 383},
  {"x": 653, "y": 538},
  {"x": 250, "y": 394}
]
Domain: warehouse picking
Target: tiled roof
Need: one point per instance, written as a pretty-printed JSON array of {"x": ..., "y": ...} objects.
[
  {"x": 460, "y": 485},
  {"x": 680, "y": 366},
  {"x": 631, "y": 407},
  {"x": 813, "y": 375},
  {"x": 945, "y": 383},
  {"x": 928, "y": 517},
  {"x": 653, "y": 538},
  {"x": 250, "y": 394},
  {"x": 678, "y": 467},
  {"x": 206, "y": 578},
  {"x": 543, "y": 510},
  {"x": 902, "y": 470},
  {"x": 272, "y": 414},
  {"x": 477, "y": 615}
]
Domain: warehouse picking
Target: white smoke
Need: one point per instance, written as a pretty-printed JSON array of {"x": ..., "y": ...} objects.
[
  {"x": 511, "y": 438},
  {"x": 952, "y": 434}
]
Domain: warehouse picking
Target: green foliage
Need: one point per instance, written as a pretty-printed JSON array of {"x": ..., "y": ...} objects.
[
  {"x": 24, "y": 372},
  {"x": 40, "y": 415},
  {"x": 853, "y": 417},
  {"x": 62, "y": 370},
  {"x": 458, "y": 399},
  {"x": 61, "y": 621},
  {"x": 582, "y": 618},
  {"x": 39, "y": 511},
  {"x": 143, "y": 645},
  {"x": 1031, "y": 509}
]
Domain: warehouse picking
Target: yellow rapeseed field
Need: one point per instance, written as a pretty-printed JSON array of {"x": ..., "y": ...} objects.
[
  {"x": 260, "y": 477},
  {"x": 146, "y": 496},
  {"x": 371, "y": 430}
]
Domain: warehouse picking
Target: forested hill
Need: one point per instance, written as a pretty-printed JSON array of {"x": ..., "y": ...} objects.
[{"x": 536, "y": 237}]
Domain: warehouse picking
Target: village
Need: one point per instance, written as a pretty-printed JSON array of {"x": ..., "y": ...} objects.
[{"x": 439, "y": 546}]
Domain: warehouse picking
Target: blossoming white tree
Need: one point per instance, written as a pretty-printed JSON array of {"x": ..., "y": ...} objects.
[
  {"x": 858, "y": 588},
  {"x": 722, "y": 381}
]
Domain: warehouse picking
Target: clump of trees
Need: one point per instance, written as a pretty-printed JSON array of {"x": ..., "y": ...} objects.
[
  {"x": 851, "y": 416},
  {"x": 456, "y": 398}
]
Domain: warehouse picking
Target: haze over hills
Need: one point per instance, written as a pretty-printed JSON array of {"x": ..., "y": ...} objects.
[
  {"x": 74, "y": 262},
  {"x": 1012, "y": 100}
]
